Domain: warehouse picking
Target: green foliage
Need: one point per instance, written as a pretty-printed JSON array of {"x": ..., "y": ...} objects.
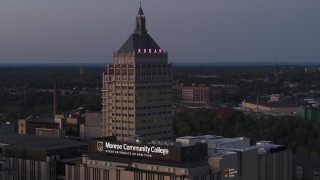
[
  {"x": 21, "y": 90},
  {"x": 303, "y": 137}
]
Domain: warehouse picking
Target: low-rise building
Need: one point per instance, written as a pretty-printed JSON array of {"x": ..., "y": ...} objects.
[
  {"x": 85, "y": 123},
  {"x": 274, "y": 161},
  {"x": 185, "y": 159},
  {"x": 310, "y": 113},
  {"x": 235, "y": 164},
  {"x": 215, "y": 143},
  {"x": 30, "y": 157},
  {"x": 271, "y": 107},
  {"x": 111, "y": 159},
  {"x": 202, "y": 94}
]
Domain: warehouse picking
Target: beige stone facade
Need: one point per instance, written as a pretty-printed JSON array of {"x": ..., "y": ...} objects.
[
  {"x": 137, "y": 100},
  {"x": 137, "y": 89}
]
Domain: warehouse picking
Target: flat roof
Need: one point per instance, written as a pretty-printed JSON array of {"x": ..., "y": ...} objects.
[
  {"x": 270, "y": 148},
  {"x": 202, "y": 137},
  {"x": 221, "y": 153},
  {"x": 274, "y": 104},
  {"x": 33, "y": 118},
  {"x": 228, "y": 140},
  {"x": 37, "y": 142},
  {"x": 188, "y": 137}
]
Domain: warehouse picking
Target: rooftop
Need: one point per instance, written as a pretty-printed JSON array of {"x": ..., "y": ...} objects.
[
  {"x": 228, "y": 140},
  {"x": 266, "y": 147},
  {"x": 274, "y": 104},
  {"x": 29, "y": 141},
  {"x": 136, "y": 42}
]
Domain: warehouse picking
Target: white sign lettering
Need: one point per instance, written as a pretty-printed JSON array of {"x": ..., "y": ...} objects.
[
  {"x": 113, "y": 148},
  {"x": 149, "y": 51}
]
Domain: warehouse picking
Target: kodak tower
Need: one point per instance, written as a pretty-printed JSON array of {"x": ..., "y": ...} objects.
[{"x": 137, "y": 89}]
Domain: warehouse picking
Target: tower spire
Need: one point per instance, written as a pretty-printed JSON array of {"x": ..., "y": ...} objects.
[{"x": 140, "y": 22}]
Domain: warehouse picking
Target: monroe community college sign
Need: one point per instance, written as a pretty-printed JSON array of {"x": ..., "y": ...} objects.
[{"x": 138, "y": 150}]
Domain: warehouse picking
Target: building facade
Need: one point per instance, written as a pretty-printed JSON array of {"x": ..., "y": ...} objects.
[
  {"x": 188, "y": 158},
  {"x": 30, "y": 157},
  {"x": 137, "y": 89},
  {"x": 274, "y": 161},
  {"x": 202, "y": 94},
  {"x": 114, "y": 160}
]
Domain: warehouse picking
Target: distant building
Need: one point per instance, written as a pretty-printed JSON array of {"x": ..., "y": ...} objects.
[
  {"x": 92, "y": 125},
  {"x": 214, "y": 94},
  {"x": 85, "y": 123},
  {"x": 59, "y": 133},
  {"x": 272, "y": 107},
  {"x": 190, "y": 94},
  {"x": 311, "y": 69},
  {"x": 35, "y": 157},
  {"x": 310, "y": 113},
  {"x": 82, "y": 70},
  {"x": 30, "y": 125}
]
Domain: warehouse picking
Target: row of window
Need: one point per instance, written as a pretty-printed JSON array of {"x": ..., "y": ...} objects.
[
  {"x": 148, "y": 134},
  {"x": 124, "y": 94},
  {"x": 141, "y": 108},
  {"x": 123, "y": 78},
  {"x": 120, "y": 121},
  {"x": 153, "y": 127},
  {"x": 154, "y": 93},
  {"x": 146, "y": 86},
  {"x": 156, "y": 133},
  {"x": 140, "y": 115},
  {"x": 154, "y": 107},
  {"x": 152, "y": 100},
  {"x": 124, "y": 101},
  {"x": 142, "y": 86},
  {"x": 124, "y": 87},
  {"x": 122, "y": 108},
  {"x": 123, "y": 128},
  {"x": 153, "y": 71},
  {"x": 122, "y": 115},
  {"x": 153, "y": 114}
]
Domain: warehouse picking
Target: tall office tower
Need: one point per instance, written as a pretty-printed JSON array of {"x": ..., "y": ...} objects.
[{"x": 137, "y": 89}]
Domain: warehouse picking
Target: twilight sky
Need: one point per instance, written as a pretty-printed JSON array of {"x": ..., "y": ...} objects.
[{"x": 211, "y": 31}]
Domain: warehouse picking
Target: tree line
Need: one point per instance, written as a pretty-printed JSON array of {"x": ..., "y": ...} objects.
[{"x": 302, "y": 136}]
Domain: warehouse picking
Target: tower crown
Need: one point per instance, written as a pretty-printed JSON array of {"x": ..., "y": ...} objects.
[
  {"x": 140, "y": 23},
  {"x": 140, "y": 42}
]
